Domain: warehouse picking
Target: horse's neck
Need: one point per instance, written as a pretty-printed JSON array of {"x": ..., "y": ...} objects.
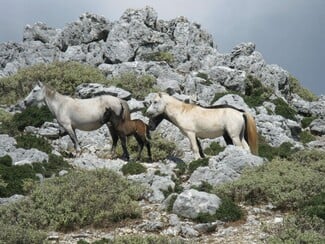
[
  {"x": 173, "y": 108},
  {"x": 53, "y": 100}
]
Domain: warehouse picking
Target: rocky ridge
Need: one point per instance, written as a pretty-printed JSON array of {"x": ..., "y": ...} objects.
[{"x": 195, "y": 73}]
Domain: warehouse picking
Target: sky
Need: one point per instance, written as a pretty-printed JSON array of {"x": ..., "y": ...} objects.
[{"x": 290, "y": 33}]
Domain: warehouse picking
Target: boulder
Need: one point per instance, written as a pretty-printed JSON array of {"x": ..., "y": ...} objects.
[
  {"x": 191, "y": 203},
  {"x": 224, "y": 167}
]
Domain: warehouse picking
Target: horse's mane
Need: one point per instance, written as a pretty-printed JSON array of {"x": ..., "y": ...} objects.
[
  {"x": 221, "y": 106},
  {"x": 50, "y": 92}
]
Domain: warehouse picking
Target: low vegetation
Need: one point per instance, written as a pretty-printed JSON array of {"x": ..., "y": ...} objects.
[
  {"x": 78, "y": 199},
  {"x": 14, "y": 177},
  {"x": 295, "y": 87},
  {"x": 159, "y": 56}
]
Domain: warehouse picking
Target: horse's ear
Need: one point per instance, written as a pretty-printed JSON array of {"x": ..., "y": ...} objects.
[{"x": 40, "y": 84}]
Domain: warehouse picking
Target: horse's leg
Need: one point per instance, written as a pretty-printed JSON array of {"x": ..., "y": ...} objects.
[
  {"x": 125, "y": 155},
  {"x": 149, "y": 150},
  {"x": 200, "y": 148},
  {"x": 195, "y": 148},
  {"x": 140, "y": 141},
  {"x": 72, "y": 134},
  {"x": 114, "y": 136}
]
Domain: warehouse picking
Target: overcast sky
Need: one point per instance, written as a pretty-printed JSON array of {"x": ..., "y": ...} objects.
[{"x": 290, "y": 33}]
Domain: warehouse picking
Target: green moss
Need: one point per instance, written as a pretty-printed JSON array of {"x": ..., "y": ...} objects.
[
  {"x": 204, "y": 186},
  {"x": 133, "y": 168},
  {"x": 283, "y": 109}
]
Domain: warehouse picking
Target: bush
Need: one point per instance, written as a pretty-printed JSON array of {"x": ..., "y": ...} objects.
[
  {"x": 306, "y": 121},
  {"x": 159, "y": 56},
  {"x": 283, "y": 109},
  {"x": 32, "y": 116},
  {"x": 143, "y": 239},
  {"x": 197, "y": 163},
  {"x": 214, "y": 149},
  {"x": 227, "y": 212},
  {"x": 139, "y": 86},
  {"x": 299, "y": 229},
  {"x": 133, "y": 168},
  {"x": 29, "y": 141},
  {"x": 284, "y": 183},
  {"x": 304, "y": 93},
  {"x": 314, "y": 206},
  {"x": 78, "y": 199},
  {"x": 63, "y": 76},
  {"x": 269, "y": 152},
  {"x": 306, "y": 136},
  {"x": 255, "y": 92},
  {"x": 15, "y": 176}
]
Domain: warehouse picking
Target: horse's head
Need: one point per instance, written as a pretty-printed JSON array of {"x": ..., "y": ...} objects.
[
  {"x": 155, "y": 121},
  {"x": 36, "y": 96},
  {"x": 157, "y": 106},
  {"x": 110, "y": 116}
]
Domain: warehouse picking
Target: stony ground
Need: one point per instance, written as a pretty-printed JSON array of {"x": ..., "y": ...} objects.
[{"x": 255, "y": 229}]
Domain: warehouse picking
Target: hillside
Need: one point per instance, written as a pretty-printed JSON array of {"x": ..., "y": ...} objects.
[{"x": 278, "y": 195}]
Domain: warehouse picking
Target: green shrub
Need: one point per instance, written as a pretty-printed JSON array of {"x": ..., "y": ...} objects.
[
  {"x": 204, "y": 186},
  {"x": 28, "y": 141},
  {"x": 306, "y": 136},
  {"x": 299, "y": 229},
  {"x": 283, "y": 183},
  {"x": 197, "y": 163},
  {"x": 133, "y": 168},
  {"x": 306, "y": 121},
  {"x": 214, "y": 149},
  {"x": 269, "y": 152},
  {"x": 227, "y": 212},
  {"x": 32, "y": 116},
  {"x": 159, "y": 56},
  {"x": 314, "y": 206},
  {"x": 304, "y": 93},
  {"x": 205, "y": 77},
  {"x": 255, "y": 92},
  {"x": 283, "y": 109},
  {"x": 308, "y": 157},
  {"x": 139, "y": 86},
  {"x": 144, "y": 239},
  {"x": 63, "y": 76},
  {"x": 180, "y": 168},
  {"x": 78, "y": 199},
  {"x": 17, "y": 234},
  {"x": 6, "y": 160},
  {"x": 15, "y": 176}
]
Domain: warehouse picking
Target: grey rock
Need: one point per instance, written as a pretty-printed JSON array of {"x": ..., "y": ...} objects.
[
  {"x": 188, "y": 231},
  {"x": 224, "y": 167},
  {"x": 41, "y": 32},
  {"x": 317, "y": 127},
  {"x": 191, "y": 203},
  {"x": 12, "y": 199},
  {"x": 87, "y": 90}
]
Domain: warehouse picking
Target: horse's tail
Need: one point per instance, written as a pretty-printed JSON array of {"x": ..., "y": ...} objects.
[
  {"x": 251, "y": 133},
  {"x": 126, "y": 110}
]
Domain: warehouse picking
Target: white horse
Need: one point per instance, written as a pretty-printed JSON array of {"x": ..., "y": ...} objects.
[
  {"x": 82, "y": 114},
  {"x": 235, "y": 125}
]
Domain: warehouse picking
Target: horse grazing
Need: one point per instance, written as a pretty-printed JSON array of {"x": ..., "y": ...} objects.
[
  {"x": 82, "y": 114},
  {"x": 236, "y": 126},
  {"x": 127, "y": 127}
]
